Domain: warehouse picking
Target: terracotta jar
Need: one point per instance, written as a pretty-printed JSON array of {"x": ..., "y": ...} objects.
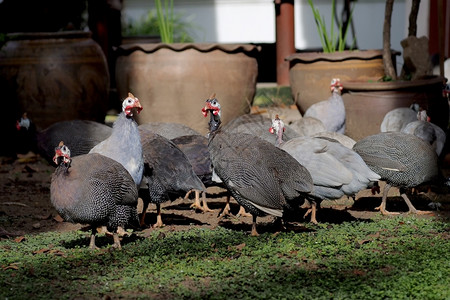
[
  {"x": 53, "y": 76},
  {"x": 366, "y": 103},
  {"x": 310, "y": 73},
  {"x": 172, "y": 81}
]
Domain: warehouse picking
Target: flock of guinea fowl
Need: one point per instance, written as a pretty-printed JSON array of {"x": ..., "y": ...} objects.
[{"x": 267, "y": 174}]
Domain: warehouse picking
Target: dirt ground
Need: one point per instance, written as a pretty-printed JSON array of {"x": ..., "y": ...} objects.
[{"x": 25, "y": 206}]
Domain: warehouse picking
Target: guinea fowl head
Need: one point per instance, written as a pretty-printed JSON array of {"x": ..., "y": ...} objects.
[
  {"x": 130, "y": 103},
  {"x": 62, "y": 154},
  {"x": 277, "y": 125},
  {"x": 278, "y": 129},
  {"x": 422, "y": 115},
  {"x": 24, "y": 122},
  {"x": 336, "y": 85},
  {"x": 212, "y": 106}
]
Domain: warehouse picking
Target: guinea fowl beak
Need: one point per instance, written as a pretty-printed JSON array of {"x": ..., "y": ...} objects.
[
  {"x": 137, "y": 105},
  {"x": 58, "y": 154}
]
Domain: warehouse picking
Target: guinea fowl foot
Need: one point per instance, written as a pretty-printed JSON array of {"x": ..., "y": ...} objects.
[
  {"x": 384, "y": 212},
  {"x": 92, "y": 245},
  {"x": 412, "y": 209},
  {"x": 116, "y": 241},
  {"x": 225, "y": 212},
  {"x": 196, "y": 203},
  {"x": 382, "y": 207},
  {"x": 122, "y": 232},
  {"x": 254, "y": 231},
  {"x": 312, "y": 210},
  {"x": 159, "y": 223},
  {"x": 243, "y": 213},
  {"x": 205, "y": 204}
]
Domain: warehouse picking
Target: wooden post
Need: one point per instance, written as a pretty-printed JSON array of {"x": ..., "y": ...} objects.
[{"x": 285, "y": 39}]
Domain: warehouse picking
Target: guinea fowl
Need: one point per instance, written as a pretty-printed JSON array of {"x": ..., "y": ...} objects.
[
  {"x": 427, "y": 131},
  {"x": 167, "y": 173},
  {"x": 93, "y": 189},
  {"x": 79, "y": 135},
  {"x": 124, "y": 143},
  {"x": 261, "y": 177},
  {"x": 254, "y": 124},
  {"x": 25, "y": 139},
  {"x": 402, "y": 160},
  {"x": 193, "y": 144},
  {"x": 398, "y": 118},
  {"x": 335, "y": 169},
  {"x": 331, "y": 111}
]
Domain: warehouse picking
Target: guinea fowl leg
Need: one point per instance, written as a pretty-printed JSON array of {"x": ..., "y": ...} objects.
[
  {"x": 144, "y": 211},
  {"x": 226, "y": 210},
  {"x": 92, "y": 245},
  {"x": 312, "y": 210},
  {"x": 382, "y": 207},
  {"x": 159, "y": 223},
  {"x": 117, "y": 239},
  {"x": 411, "y": 207},
  {"x": 254, "y": 231},
  {"x": 205, "y": 204},
  {"x": 196, "y": 203}
]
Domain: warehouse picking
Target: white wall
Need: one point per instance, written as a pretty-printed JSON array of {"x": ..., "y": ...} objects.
[{"x": 253, "y": 21}]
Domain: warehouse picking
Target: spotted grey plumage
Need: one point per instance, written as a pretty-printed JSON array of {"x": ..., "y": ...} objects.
[
  {"x": 94, "y": 189},
  {"x": 261, "y": 177},
  {"x": 402, "y": 160}
]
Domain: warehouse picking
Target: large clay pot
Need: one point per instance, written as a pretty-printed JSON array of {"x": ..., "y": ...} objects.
[
  {"x": 366, "y": 103},
  {"x": 173, "y": 81},
  {"x": 53, "y": 77},
  {"x": 310, "y": 73}
]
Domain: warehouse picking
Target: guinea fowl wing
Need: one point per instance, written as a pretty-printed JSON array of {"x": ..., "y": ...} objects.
[
  {"x": 94, "y": 180},
  {"x": 196, "y": 149},
  {"x": 402, "y": 159},
  {"x": 251, "y": 175},
  {"x": 315, "y": 154},
  {"x": 166, "y": 162}
]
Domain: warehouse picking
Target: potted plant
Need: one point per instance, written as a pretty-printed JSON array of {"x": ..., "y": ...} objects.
[
  {"x": 310, "y": 72},
  {"x": 367, "y": 101},
  {"x": 170, "y": 78}
]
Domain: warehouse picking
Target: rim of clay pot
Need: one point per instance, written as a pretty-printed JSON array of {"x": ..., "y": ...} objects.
[
  {"x": 310, "y": 57},
  {"x": 178, "y": 47},
  {"x": 374, "y": 85},
  {"x": 48, "y": 35}
]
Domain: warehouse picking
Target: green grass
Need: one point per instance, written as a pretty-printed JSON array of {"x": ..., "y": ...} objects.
[{"x": 388, "y": 258}]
